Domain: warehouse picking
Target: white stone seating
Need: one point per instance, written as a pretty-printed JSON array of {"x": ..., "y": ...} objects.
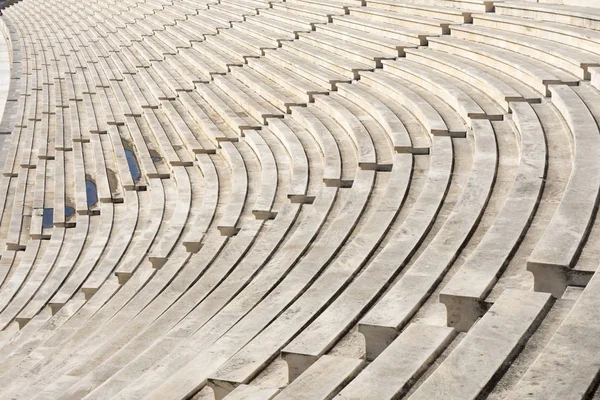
[
  {"x": 133, "y": 133},
  {"x": 201, "y": 60},
  {"x": 263, "y": 208},
  {"x": 310, "y": 11},
  {"x": 470, "y": 102},
  {"x": 288, "y": 79},
  {"x": 499, "y": 90},
  {"x": 334, "y": 62},
  {"x": 574, "y": 345},
  {"x": 89, "y": 382},
  {"x": 239, "y": 35},
  {"x": 366, "y": 153},
  {"x": 381, "y": 141},
  {"x": 173, "y": 79},
  {"x": 553, "y": 259},
  {"x": 573, "y": 60},
  {"x": 236, "y": 9},
  {"x": 398, "y": 305},
  {"x": 317, "y": 238},
  {"x": 270, "y": 89},
  {"x": 267, "y": 344},
  {"x": 13, "y": 283},
  {"x": 248, "y": 7},
  {"x": 228, "y": 224},
  {"x": 396, "y": 131},
  {"x": 497, "y": 337},
  {"x": 385, "y": 378},
  {"x": 323, "y": 380},
  {"x": 364, "y": 53},
  {"x": 279, "y": 265},
  {"x": 63, "y": 267},
  {"x": 170, "y": 145},
  {"x": 139, "y": 241},
  {"x": 186, "y": 32},
  {"x": 234, "y": 116},
  {"x": 31, "y": 283},
  {"x": 187, "y": 129},
  {"x": 165, "y": 244},
  {"x": 321, "y": 335},
  {"x": 325, "y": 77},
  {"x": 234, "y": 53},
  {"x": 585, "y": 39},
  {"x": 393, "y": 46},
  {"x": 88, "y": 263},
  {"x": 16, "y": 236},
  {"x": 585, "y": 17},
  {"x": 248, "y": 392},
  {"x": 184, "y": 279},
  {"x": 285, "y": 130},
  {"x": 332, "y": 163},
  {"x": 391, "y": 18},
  {"x": 351, "y": 23},
  {"x": 213, "y": 128},
  {"x": 200, "y": 218},
  {"x": 437, "y": 117},
  {"x": 301, "y": 275},
  {"x": 453, "y": 14},
  {"x": 265, "y": 29},
  {"x": 464, "y": 295},
  {"x": 202, "y": 288},
  {"x": 254, "y": 105},
  {"x": 203, "y": 24},
  {"x": 532, "y": 72}
]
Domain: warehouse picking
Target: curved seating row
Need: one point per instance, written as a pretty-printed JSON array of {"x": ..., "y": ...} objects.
[{"x": 250, "y": 198}]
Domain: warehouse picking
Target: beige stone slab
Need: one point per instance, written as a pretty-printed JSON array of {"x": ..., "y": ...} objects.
[
  {"x": 401, "y": 302},
  {"x": 488, "y": 348},
  {"x": 166, "y": 243},
  {"x": 566, "y": 368},
  {"x": 228, "y": 224},
  {"x": 386, "y": 378},
  {"x": 342, "y": 313},
  {"x": 366, "y": 154},
  {"x": 298, "y": 187},
  {"x": 323, "y": 379},
  {"x": 464, "y": 295},
  {"x": 557, "y": 250},
  {"x": 247, "y": 392},
  {"x": 395, "y": 129},
  {"x": 263, "y": 208}
]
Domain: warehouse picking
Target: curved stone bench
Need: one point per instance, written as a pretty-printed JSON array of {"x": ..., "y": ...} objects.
[
  {"x": 395, "y": 309},
  {"x": 342, "y": 313},
  {"x": 365, "y": 149},
  {"x": 497, "y": 89},
  {"x": 497, "y": 337},
  {"x": 468, "y": 101},
  {"x": 568, "y": 15},
  {"x": 318, "y": 74},
  {"x": 556, "y": 253},
  {"x": 298, "y": 188},
  {"x": 464, "y": 295},
  {"x": 573, "y": 60},
  {"x": 385, "y": 378},
  {"x": 265, "y": 88},
  {"x": 332, "y": 163},
  {"x": 395, "y": 129},
  {"x": 228, "y": 224},
  {"x": 267, "y": 344},
  {"x": 529, "y": 70},
  {"x": 200, "y": 219},
  {"x": 290, "y": 81}
]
